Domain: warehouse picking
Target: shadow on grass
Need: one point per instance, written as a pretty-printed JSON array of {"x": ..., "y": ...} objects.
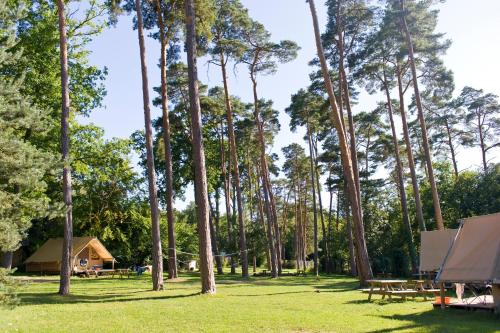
[
  {"x": 451, "y": 320},
  {"x": 273, "y": 294},
  {"x": 437, "y": 321},
  {"x": 51, "y": 298}
]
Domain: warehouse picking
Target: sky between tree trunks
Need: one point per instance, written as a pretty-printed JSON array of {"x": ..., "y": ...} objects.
[{"x": 473, "y": 57}]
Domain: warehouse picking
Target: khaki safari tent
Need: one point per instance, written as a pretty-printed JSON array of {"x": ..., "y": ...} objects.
[
  {"x": 434, "y": 246},
  {"x": 474, "y": 256},
  {"x": 47, "y": 259}
]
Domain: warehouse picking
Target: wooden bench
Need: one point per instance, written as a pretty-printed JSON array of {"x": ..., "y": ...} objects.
[{"x": 401, "y": 293}]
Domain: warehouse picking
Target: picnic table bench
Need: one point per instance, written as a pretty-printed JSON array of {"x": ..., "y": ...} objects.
[
  {"x": 401, "y": 288},
  {"x": 389, "y": 288}
]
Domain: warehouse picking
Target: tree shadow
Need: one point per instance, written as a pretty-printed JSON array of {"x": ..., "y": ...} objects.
[
  {"x": 51, "y": 298},
  {"x": 450, "y": 320},
  {"x": 273, "y": 294}
]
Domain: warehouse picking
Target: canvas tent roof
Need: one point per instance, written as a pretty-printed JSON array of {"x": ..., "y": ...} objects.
[
  {"x": 475, "y": 253},
  {"x": 434, "y": 246},
  {"x": 51, "y": 251}
]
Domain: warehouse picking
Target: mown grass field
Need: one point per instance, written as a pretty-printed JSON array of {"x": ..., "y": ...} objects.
[{"x": 288, "y": 304}]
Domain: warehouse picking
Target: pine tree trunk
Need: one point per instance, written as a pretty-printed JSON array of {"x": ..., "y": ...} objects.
[
  {"x": 66, "y": 260},
  {"x": 315, "y": 209},
  {"x": 263, "y": 224},
  {"x": 269, "y": 229},
  {"x": 452, "y": 149},
  {"x": 157, "y": 254},
  {"x": 421, "y": 118},
  {"x": 364, "y": 269},
  {"x": 321, "y": 215},
  {"x": 276, "y": 228},
  {"x": 409, "y": 153},
  {"x": 201, "y": 195},
  {"x": 264, "y": 172},
  {"x": 481, "y": 142},
  {"x": 401, "y": 183},
  {"x": 214, "y": 239},
  {"x": 235, "y": 169},
  {"x": 227, "y": 200},
  {"x": 172, "y": 253}
]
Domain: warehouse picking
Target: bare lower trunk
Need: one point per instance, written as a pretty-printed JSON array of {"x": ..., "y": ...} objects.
[
  {"x": 263, "y": 224},
  {"x": 364, "y": 269},
  {"x": 172, "y": 253},
  {"x": 401, "y": 184},
  {"x": 269, "y": 229},
  {"x": 66, "y": 260},
  {"x": 215, "y": 241},
  {"x": 157, "y": 254},
  {"x": 201, "y": 195},
  {"x": 227, "y": 200},
  {"x": 324, "y": 232},
  {"x": 409, "y": 153},
  {"x": 236, "y": 173},
  {"x": 264, "y": 172},
  {"x": 421, "y": 118},
  {"x": 315, "y": 209},
  {"x": 277, "y": 233}
]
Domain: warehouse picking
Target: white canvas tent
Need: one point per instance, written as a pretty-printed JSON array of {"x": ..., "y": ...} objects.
[{"x": 434, "y": 246}]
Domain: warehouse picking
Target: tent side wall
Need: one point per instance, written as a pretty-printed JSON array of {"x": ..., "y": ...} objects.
[{"x": 43, "y": 267}]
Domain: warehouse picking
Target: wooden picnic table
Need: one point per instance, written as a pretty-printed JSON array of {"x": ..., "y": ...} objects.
[{"x": 389, "y": 288}]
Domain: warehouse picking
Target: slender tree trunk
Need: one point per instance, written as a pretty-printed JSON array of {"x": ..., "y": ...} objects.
[
  {"x": 409, "y": 153},
  {"x": 264, "y": 171},
  {"x": 269, "y": 229},
  {"x": 321, "y": 215},
  {"x": 481, "y": 142},
  {"x": 172, "y": 253},
  {"x": 66, "y": 260},
  {"x": 277, "y": 232},
  {"x": 157, "y": 254},
  {"x": 235, "y": 169},
  {"x": 263, "y": 223},
  {"x": 227, "y": 200},
  {"x": 201, "y": 195},
  {"x": 215, "y": 239},
  {"x": 452, "y": 149},
  {"x": 365, "y": 269},
  {"x": 315, "y": 209},
  {"x": 421, "y": 118},
  {"x": 401, "y": 184}
]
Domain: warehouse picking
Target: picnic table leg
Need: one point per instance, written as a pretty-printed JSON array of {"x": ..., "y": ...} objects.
[{"x": 370, "y": 293}]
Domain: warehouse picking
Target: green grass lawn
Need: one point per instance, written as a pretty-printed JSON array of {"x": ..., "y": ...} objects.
[{"x": 288, "y": 304}]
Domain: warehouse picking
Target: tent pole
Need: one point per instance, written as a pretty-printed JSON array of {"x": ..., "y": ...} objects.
[{"x": 441, "y": 293}]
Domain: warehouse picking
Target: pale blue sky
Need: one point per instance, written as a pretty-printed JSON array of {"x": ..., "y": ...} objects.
[{"x": 474, "y": 27}]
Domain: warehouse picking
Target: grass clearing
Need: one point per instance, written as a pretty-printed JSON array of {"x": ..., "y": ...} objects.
[{"x": 288, "y": 304}]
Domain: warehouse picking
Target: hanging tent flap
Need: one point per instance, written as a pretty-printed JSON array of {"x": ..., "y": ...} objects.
[
  {"x": 475, "y": 254},
  {"x": 434, "y": 246}
]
